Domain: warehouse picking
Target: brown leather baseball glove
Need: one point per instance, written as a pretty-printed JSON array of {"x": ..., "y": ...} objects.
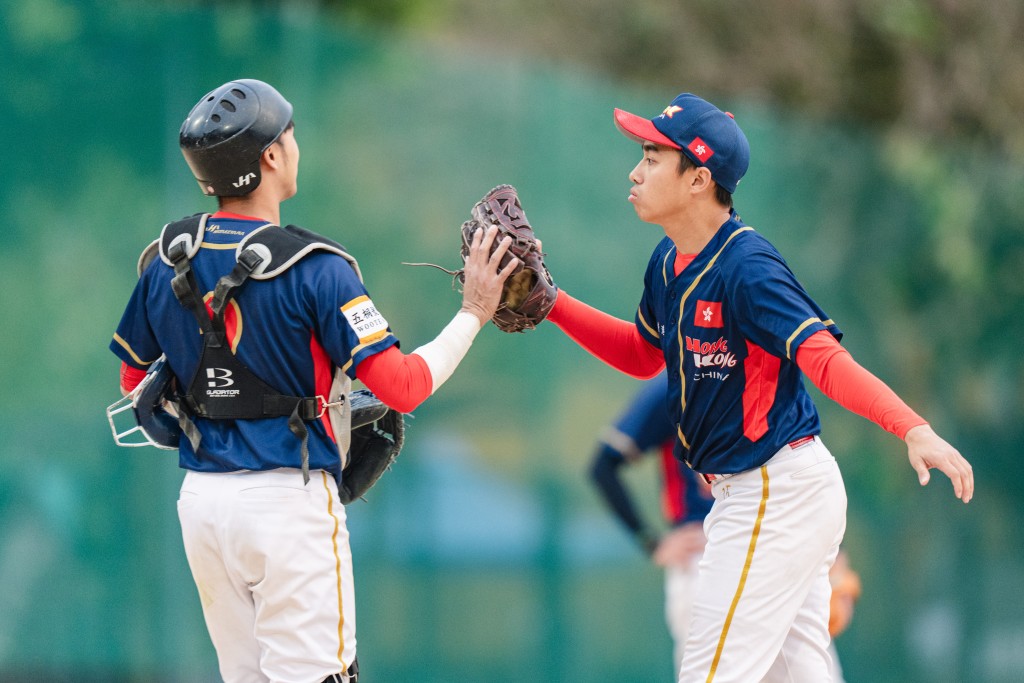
[{"x": 529, "y": 293}]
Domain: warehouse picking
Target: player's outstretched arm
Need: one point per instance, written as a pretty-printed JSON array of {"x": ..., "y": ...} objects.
[
  {"x": 841, "y": 378},
  {"x": 927, "y": 450},
  {"x": 612, "y": 340}
]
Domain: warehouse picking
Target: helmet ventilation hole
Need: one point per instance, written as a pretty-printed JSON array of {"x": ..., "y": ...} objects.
[
  {"x": 238, "y": 93},
  {"x": 216, "y": 118},
  {"x": 227, "y": 104}
]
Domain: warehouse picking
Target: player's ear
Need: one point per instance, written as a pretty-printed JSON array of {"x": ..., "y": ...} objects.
[
  {"x": 701, "y": 179},
  {"x": 271, "y": 156}
]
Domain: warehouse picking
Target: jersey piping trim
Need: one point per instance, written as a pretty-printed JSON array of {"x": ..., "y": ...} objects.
[
  {"x": 679, "y": 325},
  {"x": 653, "y": 332},
  {"x": 801, "y": 328},
  {"x": 217, "y": 245},
  {"x": 664, "y": 265},
  {"x": 682, "y": 438},
  {"x": 337, "y": 571},
  {"x": 359, "y": 348},
  {"x": 743, "y": 574},
  {"x": 124, "y": 345}
]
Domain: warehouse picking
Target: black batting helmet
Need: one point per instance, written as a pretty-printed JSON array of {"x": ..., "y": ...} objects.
[{"x": 226, "y": 132}]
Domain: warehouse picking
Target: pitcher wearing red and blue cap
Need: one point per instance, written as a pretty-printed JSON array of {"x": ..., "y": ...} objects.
[{"x": 737, "y": 332}]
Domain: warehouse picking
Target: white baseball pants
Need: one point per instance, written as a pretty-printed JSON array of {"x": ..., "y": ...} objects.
[
  {"x": 762, "y": 604},
  {"x": 271, "y": 560}
]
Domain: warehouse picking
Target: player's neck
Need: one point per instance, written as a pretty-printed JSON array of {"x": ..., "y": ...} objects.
[
  {"x": 257, "y": 205},
  {"x": 692, "y": 232}
]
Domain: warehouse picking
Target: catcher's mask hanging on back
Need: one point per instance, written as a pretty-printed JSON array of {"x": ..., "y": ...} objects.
[{"x": 154, "y": 406}]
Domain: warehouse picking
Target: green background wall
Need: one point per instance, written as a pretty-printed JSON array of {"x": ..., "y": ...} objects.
[{"x": 485, "y": 555}]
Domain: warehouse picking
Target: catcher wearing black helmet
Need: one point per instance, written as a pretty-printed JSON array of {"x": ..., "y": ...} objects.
[
  {"x": 263, "y": 329},
  {"x": 228, "y": 130}
]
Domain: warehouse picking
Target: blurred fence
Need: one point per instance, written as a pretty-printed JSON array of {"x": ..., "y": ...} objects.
[{"x": 484, "y": 556}]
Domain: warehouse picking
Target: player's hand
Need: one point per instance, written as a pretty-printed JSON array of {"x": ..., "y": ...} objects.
[
  {"x": 481, "y": 291},
  {"x": 927, "y": 450},
  {"x": 679, "y": 546}
]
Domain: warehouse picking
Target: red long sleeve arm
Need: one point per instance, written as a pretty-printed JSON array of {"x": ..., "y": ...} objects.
[
  {"x": 402, "y": 382},
  {"x": 130, "y": 377},
  {"x": 842, "y": 379},
  {"x": 616, "y": 342}
]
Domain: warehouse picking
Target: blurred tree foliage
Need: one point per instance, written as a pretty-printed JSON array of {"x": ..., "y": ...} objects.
[
  {"x": 914, "y": 242},
  {"x": 937, "y": 68}
]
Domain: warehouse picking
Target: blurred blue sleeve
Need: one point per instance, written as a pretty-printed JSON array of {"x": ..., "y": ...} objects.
[{"x": 643, "y": 425}]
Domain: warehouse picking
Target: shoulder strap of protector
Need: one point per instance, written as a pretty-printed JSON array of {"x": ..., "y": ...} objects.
[
  {"x": 188, "y": 232},
  {"x": 281, "y": 248}
]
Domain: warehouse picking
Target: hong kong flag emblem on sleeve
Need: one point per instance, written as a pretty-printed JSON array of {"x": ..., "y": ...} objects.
[{"x": 708, "y": 314}]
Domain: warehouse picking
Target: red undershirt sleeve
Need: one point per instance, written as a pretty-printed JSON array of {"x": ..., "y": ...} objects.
[
  {"x": 842, "y": 379},
  {"x": 130, "y": 377},
  {"x": 402, "y": 382},
  {"x": 616, "y": 342}
]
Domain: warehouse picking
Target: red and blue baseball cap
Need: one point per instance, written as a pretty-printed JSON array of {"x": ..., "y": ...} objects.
[{"x": 707, "y": 135}]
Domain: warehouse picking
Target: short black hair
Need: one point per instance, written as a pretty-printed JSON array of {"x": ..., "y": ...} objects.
[{"x": 722, "y": 195}]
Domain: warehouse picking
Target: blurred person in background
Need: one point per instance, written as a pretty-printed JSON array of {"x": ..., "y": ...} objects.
[{"x": 643, "y": 428}]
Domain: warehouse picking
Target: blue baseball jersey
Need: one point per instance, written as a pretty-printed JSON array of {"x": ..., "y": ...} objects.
[
  {"x": 292, "y": 331},
  {"x": 730, "y": 325},
  {"x": 648, "y": 425}
]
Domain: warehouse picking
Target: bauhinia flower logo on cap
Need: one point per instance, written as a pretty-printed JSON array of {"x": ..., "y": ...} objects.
[
  {"x": 709, "y": 136},
  {"x": 701, "y": 150}
]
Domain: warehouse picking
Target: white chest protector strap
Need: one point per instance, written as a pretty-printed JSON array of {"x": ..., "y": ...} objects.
[{"x": 262, "y": 255}]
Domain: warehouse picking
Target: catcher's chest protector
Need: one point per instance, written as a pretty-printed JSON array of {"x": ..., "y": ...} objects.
[{"x": 222, "y": 387}]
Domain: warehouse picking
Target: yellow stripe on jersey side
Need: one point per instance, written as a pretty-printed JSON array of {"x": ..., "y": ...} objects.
[
  {"x": 216, "y": 245},
  {"x": 337, "y": 571},
  {"x": 743, "y": 574},
  {"x": 801, "y": 328},
  {"x": 124, "y": 345}
]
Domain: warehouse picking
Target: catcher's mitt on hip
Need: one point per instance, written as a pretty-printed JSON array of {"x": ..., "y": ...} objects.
[{"x": 378, "y": 433}]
